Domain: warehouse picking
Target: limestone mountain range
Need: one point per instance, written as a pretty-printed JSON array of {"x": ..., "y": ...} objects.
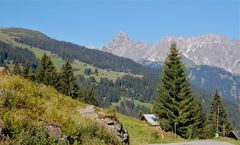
[{"x": 211, "y": 49}]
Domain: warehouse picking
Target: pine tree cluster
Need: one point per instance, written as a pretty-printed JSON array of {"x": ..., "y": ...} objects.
[{"x": 63, "y": 81}]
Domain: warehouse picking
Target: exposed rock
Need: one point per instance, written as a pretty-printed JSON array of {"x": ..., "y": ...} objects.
[
  {"x": 3, "y": 134},
  {"x": 110, "y": 122},
  {"x": 201, "y": 50},
  {"x": 54, "y": 132},
  {"x": 89, "y": 112},
  {"x": 118, "y": 127}
]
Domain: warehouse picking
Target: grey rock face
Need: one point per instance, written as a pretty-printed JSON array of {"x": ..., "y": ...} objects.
[
  {"x": 111, "y": 123},
  {"x": 117, "y": 128},
  {"x": 54, "y": 131},
  {"x": 211, "y": 49},
  {"x": 124, "y": 47}
]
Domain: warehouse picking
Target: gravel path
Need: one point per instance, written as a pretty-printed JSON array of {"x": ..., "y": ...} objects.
[{"x": 199, "y": 142}]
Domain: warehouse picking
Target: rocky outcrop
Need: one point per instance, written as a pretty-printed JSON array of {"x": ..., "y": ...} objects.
[
  {"x": 54, "y": 131},
  {"x": 117, "y": 128},
  {"x": 110, "y": 122},
  {"x": 3, "y": 133},
  {"x": 201, "y": 50}
]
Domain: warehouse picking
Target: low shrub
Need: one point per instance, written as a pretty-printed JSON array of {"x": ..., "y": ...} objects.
[{"x": 35, "y": 135}]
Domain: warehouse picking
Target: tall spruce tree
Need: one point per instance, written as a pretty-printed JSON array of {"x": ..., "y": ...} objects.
[
  {"x": 176, "y": 105},
  {"x": 42, "y": 68},
  {"x": 68, "y": 85},
  {"x": 217, "y": 118},
  {"x": 17, "y": 68},
  {"x": 47, "y": 72},
  {"x": 51, "y": 75},
  {"x": 28, "y": 72}
]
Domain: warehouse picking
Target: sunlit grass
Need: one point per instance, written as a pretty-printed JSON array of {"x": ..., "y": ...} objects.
[{"x": 142, "y": 133}]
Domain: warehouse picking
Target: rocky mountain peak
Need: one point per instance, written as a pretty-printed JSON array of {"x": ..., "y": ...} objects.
[
  {"x": 122, "y": 36},
  {"x": 211, "y": 49},
  {"x": 214, "y": 36}
]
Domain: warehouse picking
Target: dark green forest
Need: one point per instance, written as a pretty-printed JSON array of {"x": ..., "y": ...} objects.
[{"x": 9, "y": 53}]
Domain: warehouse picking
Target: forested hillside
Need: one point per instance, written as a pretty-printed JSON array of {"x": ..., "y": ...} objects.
[
  {"x": 210, "y": 78},
  {"x": 72, "y": 51},
  {"x": 14, "y": 54}
]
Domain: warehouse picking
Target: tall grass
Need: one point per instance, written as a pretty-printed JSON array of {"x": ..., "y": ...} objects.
[{"x": 26, "y": 104}]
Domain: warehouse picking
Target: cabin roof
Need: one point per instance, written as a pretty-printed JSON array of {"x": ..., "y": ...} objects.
[
  {"x": 151, "y": 119},
  {"x": 236, "y": 134}
]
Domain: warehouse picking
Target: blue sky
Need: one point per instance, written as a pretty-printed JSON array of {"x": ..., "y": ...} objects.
[{"x": 96, "y": 22}]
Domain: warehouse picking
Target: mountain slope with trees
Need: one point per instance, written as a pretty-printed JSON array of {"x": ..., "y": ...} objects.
[
  {"x": 72, "y": 51},
  {"x": 110, "y": 88},
  {"x": 10, "y": 53}
]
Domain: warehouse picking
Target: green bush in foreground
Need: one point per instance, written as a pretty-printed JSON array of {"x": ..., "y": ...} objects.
[{"x": 35, "y": 135}]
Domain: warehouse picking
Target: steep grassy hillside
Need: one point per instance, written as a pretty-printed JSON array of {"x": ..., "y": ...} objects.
[{"x": 27, "y": 106}]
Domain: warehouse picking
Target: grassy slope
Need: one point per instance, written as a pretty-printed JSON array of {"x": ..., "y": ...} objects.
[
  {"x": 141, "y": 133},
  {"x": 25, "y": 103},
  {"x": 45, "y": 104},
  {"x": 79, "y": 66}
]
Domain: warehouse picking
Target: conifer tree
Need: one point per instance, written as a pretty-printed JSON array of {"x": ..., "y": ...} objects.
[
  {"x": 17, "y": 69},
  {"x": 28, "y": 72},
  {"x": 89, "y": 96},
  {"x": 68, "y": 85},
  {"x": 176, "y": 105},
  {"x": 47, "y": 72},
  {"x": 217, "y": 118},
  {"x": 42, "y": 68},
  {"x": 31, "y": 75},
  {"x": 51, "y": 76}
]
